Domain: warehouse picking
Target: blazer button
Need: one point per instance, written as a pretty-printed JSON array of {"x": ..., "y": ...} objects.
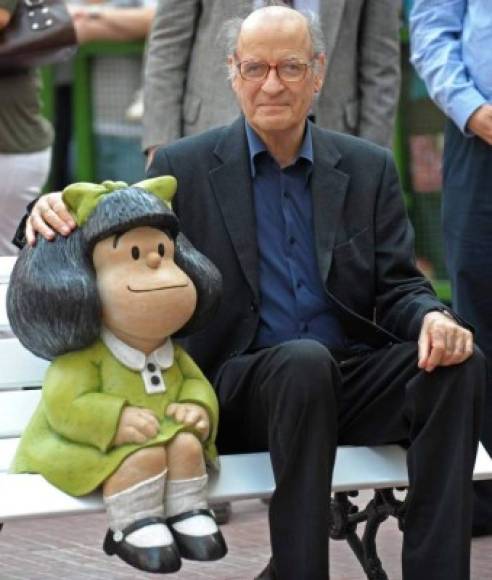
[
  {"x": 233, "y": 354},
  {"x": 253, "y": 307}
]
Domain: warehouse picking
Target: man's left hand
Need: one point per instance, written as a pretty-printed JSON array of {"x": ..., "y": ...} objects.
[{"x": 443, "y": 342}]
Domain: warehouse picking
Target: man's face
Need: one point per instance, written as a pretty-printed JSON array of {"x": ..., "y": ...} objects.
[{"x": 273, "y": 104}]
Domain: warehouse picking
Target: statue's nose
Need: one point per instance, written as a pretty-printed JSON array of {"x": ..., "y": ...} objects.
[{"x": 153, "y": 260}]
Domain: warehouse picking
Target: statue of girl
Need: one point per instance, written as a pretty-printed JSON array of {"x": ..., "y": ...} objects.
[{"x": 123, "y": 407}]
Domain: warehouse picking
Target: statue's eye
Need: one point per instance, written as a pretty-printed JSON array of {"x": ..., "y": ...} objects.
[
  {"x": 160, "y": 250},
  {"x": 135, "y": 253}
]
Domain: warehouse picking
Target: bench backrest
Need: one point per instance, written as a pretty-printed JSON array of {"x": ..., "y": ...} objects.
[
  {"x": 6, "y": 265},
  {"x": 21, "y": 373}
]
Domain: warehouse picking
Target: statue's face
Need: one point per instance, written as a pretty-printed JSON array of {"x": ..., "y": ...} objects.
[{"x": 144, "y": 294}]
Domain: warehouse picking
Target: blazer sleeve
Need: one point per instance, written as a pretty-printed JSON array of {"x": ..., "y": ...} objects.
[
  {"x": 403, "y": 294},
  {"x": 379, "y": 69},
  {"x": 170, "y": 45}
]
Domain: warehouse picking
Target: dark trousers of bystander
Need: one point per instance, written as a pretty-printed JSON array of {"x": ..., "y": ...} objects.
[
  {"x": 467, "y": 227},
  {"x": 298, "y": 402}
]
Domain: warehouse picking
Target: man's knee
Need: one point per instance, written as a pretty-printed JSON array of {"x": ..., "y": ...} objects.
[
  {"x": 466, "y": 380},
  {"x": 475, "y": 369},
  {"x": 306, "y": 371}
]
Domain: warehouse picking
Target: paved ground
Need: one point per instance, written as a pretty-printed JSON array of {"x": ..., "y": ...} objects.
[{"x": 70, "y": 549}]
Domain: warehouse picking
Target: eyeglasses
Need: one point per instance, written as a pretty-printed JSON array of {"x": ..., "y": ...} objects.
[{"x": 290, "y": 71}]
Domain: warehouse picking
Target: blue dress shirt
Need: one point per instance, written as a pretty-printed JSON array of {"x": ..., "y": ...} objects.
[
  {"x": 451, "y": 43},
  {"x": 294, "y": 303}
]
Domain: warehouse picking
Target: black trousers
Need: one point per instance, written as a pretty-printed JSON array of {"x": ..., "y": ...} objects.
[
  {"x": 298, "y": 402},
  {"x": 467, "y": 227}
]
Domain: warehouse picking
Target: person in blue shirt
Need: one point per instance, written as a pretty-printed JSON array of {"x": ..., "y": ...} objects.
[{"x": 451, "y": 47}]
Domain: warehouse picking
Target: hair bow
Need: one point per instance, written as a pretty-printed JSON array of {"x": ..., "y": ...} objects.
[{"x": 82, "y": 198}]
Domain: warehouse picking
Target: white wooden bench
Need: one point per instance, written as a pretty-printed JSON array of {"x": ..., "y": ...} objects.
[{"x": 245, "y": 476}]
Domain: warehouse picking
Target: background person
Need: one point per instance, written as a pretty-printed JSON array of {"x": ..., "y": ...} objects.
[
  {"x": 452, "y": 52},
  {"x": 186, "y": 90},
  {"x": 25, "y": 142},
  {"x": 115, "y": 80}
]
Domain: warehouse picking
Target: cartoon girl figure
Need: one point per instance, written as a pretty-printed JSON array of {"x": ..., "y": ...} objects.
[{"x": 123, "y": 407}]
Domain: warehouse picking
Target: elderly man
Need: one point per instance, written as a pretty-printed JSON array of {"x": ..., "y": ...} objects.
[{"x": 327, "y": 333}]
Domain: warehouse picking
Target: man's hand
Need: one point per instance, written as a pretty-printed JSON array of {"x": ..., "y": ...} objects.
[
  {"x": 49, "y": 216},
  {"x": 136, "y": 425},
  {"x": 192, "y": 416},
  {"x": 443, "y": 342},
  {"x": 480, "y": 123}
]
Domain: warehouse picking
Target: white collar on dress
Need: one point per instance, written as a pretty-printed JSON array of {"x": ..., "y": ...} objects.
[{"x": 135, "y": 359}]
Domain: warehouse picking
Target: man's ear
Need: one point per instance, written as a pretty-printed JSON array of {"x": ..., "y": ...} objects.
[
  {"x": 231, "y": 67},
  {"x": 319, "y": 71}
]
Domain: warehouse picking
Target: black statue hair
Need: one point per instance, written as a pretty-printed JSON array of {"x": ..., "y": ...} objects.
[{"x": 52, "y": 301}]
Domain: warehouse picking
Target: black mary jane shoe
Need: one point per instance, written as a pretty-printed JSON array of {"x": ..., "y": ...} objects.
[
  {"x": 202, "y": 548},
  {"x": 158, "y": 559}
]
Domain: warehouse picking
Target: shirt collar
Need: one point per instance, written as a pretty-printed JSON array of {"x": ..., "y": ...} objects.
[
  {"x": 256, "y": 146},
  {"x": 135, "y": 359}
]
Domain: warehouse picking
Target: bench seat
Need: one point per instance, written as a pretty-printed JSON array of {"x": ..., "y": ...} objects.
[{"x": 242, "y": 476}]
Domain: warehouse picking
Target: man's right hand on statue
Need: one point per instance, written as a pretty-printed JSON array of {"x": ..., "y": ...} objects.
[
  {"x": 49, "y": 217},
  {"x": 136, "y": 425}
]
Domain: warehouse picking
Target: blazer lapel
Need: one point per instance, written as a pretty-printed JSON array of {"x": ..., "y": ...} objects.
[
  {"x": 328, "y": 187},
  {"x": 330, "y": 17},
  {"x": 233, "y": 189}
]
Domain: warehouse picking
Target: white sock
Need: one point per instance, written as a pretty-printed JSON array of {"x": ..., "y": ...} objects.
[
  {"x": 150, "y": 536},
  {"x": 142, "y": 500},
  {"x": 183, "y": 495}
]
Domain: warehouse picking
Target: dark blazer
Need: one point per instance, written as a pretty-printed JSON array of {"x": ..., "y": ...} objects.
[{"x": 364, "y": 241}]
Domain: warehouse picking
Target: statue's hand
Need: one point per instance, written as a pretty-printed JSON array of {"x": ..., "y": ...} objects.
[
  {"x": 192, "y": 416},
  {"x": 136, "y": 425}
]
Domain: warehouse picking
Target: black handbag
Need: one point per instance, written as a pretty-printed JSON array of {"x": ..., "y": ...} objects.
[{"x": 40, "y": 32}]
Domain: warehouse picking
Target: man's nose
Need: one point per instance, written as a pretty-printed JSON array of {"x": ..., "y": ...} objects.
[
  {"x": 153, "y": 260},
  {"x": 272, "y": 82}
]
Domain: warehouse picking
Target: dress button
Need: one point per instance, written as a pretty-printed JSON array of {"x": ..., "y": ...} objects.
[
  {"x": 151, "y": 367},
  {"x": 292, "y": 240},
  {"x": 155, "y": 380}
]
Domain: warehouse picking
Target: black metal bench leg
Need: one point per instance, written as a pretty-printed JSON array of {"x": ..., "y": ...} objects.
[
  {"x": 345, "y": 517},
  {"x": 372, "y": 564}
]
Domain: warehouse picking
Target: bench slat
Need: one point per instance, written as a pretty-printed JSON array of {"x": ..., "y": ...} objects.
[
  {"x": 18, "y": 367},
  {"x": 4, "y": 321},
  {"x": 6, "y": 265},
  {"x": 242, "y": 476},
  {"x": 16, "y": 408}
]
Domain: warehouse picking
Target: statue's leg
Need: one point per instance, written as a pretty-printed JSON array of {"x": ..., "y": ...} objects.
[
  {"x": 134, "y": 500},
  {"x": 191, "y": 522}
]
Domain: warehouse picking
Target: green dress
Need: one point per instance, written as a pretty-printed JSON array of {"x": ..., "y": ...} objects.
[{"x": 68, "y": 439}]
